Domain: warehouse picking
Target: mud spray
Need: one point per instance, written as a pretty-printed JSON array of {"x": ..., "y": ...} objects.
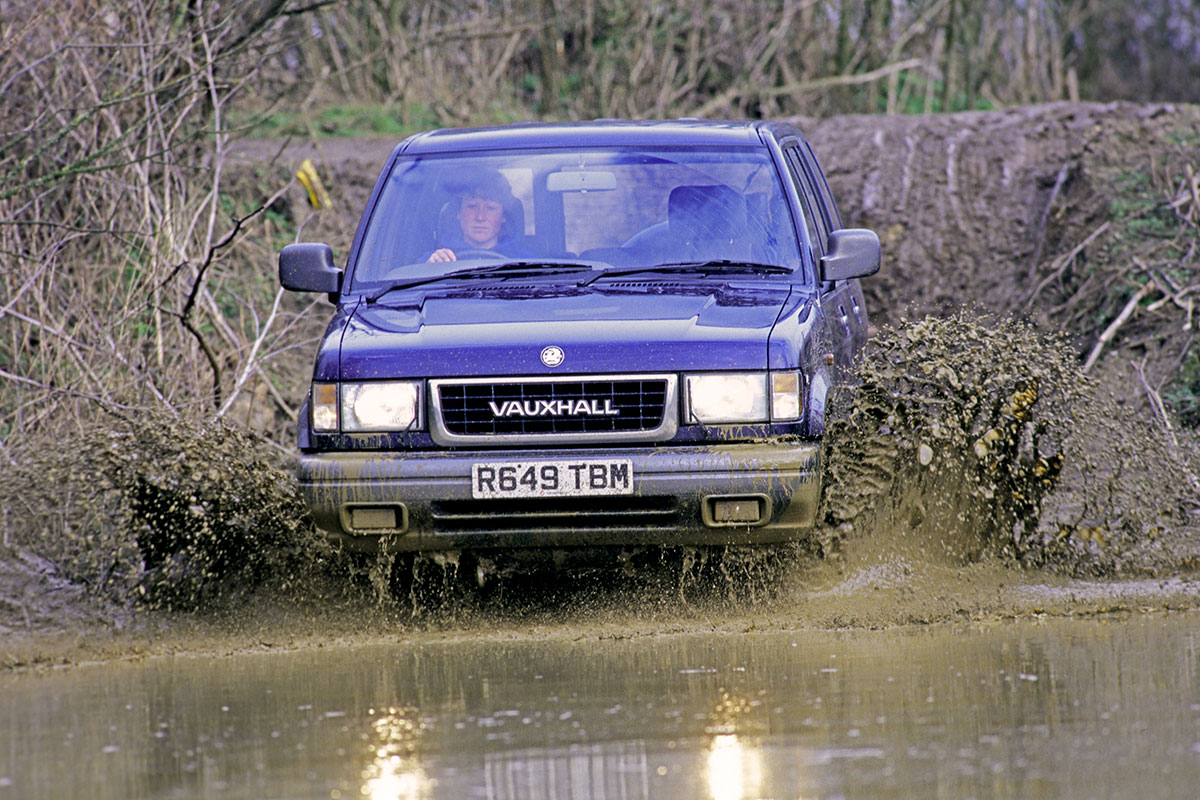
[
  {"x": 148, "y": 512},
  {"x": 973, "y": 454},
  {"x": 972, "y": 438},
  {"x": 978, "y": 473}
]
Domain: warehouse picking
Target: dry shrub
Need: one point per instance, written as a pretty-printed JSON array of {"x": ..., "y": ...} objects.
[
  {"x": 470, "y": 61},
  {"x": 115, "y": 219}
]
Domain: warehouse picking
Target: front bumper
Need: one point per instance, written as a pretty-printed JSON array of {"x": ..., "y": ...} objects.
[{"x": 422, "y": 500}]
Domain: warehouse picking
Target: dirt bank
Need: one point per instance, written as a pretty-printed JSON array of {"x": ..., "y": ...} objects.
[{"x": 1059, "y": 212}]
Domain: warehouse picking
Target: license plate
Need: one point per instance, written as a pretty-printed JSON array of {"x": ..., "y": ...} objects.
[{"x": 551, "y": 478}]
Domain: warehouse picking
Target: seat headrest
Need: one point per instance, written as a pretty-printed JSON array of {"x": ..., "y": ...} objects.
[{"x": 706, "y": 212}]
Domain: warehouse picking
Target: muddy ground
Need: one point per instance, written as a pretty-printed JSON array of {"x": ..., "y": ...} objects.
[{"x": 982, "y": 472}]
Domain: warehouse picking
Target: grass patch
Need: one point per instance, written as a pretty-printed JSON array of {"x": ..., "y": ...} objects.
[
  {"x": 1184, "y": 396},
  {"x": 338, "y": 121},
  {"x": 912, "y": 88}
]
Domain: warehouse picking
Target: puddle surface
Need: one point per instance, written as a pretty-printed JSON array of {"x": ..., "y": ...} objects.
[{"x": 1075, "y": 708}]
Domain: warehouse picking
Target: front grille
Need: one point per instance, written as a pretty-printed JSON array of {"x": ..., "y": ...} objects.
[
  {"x": 554, "y": 514},
  {"x": 548, "y": 408}
]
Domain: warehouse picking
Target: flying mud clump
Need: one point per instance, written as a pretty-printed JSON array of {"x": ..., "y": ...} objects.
[
  {"x": 969, "y": 436},
  {"x": 162, "y": 512}
]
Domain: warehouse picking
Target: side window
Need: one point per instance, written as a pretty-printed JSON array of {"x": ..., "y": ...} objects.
[
  {"x": 818, "y": 228},
  {"x": 834, "y": 219}
]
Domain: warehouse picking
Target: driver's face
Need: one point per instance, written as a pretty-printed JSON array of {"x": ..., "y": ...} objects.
[{"x": 481, "y": 220}]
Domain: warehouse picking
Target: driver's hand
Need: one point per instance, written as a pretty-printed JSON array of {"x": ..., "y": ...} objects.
[{"x": 443, "y": 254}]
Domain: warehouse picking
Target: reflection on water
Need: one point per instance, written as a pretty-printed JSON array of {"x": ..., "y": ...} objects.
[
  {"x": 1058, "y": 709},
  {"x": 735, "y": 770},
  {"x": 396, "y": 771},
  {"x": 597, "y": 771}
]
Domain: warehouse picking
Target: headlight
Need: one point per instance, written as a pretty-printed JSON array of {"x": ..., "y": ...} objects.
[
  {"x": 730, "y": 397},
  {"x": 743, "y": 397},
  {"x": 390, "y": 406}
]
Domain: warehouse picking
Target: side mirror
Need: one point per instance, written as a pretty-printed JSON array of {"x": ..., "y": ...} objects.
[
  {"x": 308, "y": 267},
  {"x": 853, "y": 253}
]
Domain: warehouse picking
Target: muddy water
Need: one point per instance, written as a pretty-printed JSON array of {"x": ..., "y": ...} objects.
[{"x": 1067, "y": 708}]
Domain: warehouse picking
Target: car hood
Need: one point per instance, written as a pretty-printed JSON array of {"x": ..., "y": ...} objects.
[{"x": 609, "y": 327}]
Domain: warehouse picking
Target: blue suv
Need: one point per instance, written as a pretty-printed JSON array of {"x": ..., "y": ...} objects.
[{"x": 583, "y": 334}]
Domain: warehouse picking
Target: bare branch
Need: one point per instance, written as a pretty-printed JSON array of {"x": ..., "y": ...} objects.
[{"x": 1115, "y": 325}]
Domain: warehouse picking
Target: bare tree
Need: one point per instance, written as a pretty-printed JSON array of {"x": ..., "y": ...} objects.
[
  {"x": 115, "y": 220},
  {"x": 478, "y": 60}
]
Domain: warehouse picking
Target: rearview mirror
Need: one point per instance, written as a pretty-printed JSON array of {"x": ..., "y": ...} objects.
[
  {"x": 581, "y": 181},
  {"x": 308, "y": 267},
  {"x": 853, "y": 253}
]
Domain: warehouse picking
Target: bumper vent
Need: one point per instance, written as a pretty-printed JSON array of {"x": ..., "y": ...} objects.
[{"x": 544, "y": 515}]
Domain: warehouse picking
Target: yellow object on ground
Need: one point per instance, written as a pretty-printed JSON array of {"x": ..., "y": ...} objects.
[{"x": 307, "y": 175}]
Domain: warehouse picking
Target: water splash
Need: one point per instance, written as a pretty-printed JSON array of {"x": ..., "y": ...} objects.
[
  {"x": 163, "y": 511},
  {"x": 969, "y": 436}
]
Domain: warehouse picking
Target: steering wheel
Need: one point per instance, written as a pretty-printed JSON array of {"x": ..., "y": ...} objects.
[{"x": 477, "y": 253}]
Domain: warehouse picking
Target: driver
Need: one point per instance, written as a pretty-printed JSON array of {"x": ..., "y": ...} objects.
[{"x": 481, "y": 217}]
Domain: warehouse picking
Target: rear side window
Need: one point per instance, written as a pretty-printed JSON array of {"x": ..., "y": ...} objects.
[
  {"x": 818, "y": 229},
  {"x": 832, "y": 218}
]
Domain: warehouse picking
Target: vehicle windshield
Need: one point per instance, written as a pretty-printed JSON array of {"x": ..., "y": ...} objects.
[{"x": 608, "y": 207}]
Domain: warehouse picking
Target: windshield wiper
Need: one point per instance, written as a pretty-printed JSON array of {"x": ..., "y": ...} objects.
[
  {"x": 712, "y": 265},
  {"x": 483, "y": 272}
]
